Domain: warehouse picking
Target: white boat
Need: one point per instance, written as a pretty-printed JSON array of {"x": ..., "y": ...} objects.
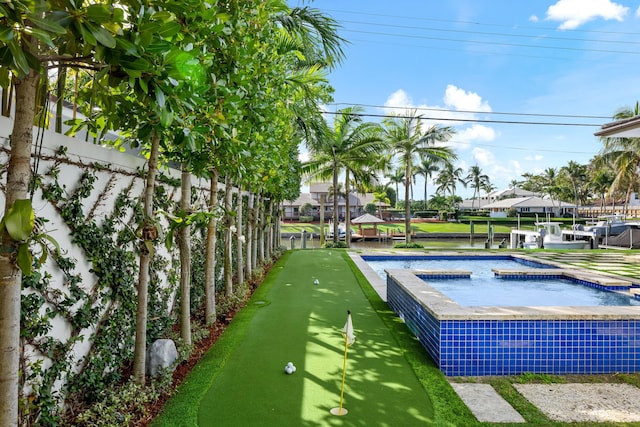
[{"x": 552, "y": 237}]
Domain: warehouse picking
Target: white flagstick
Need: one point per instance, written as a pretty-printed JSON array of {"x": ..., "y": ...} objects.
[{"x": 349, "y": 339}]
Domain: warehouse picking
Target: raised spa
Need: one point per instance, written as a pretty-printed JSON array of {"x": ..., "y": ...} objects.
[{"x": 505, "y": 340}]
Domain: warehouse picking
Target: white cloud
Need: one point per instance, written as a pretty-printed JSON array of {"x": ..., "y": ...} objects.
[
  {"x": 483, "y": 157},
  {"x": 573, "y": 13},
  {"x": 459, "y": 99},
  {"x": 399, "y": 98},
  {"x": 534, "y": 18},
  {"x": 536, "y": 158},
  {"x": 638, "y": 12},
  {"x": 476, "y": 133}
]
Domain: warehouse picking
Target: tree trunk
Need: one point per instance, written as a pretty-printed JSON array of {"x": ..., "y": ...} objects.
[
  {"x": 228, "y": 240},
  {"x": 7, "y": 97},
  {"x": 261, "y": 239},
  {"x": 249, "y": 236},
  {"x": 185, "y": 260},
  {"x": 407, "y": 204},
  {"x": 62, "y": 78},
  {"x": 256, "y": 232},
  {"x": 210, "y": 263},
  {"x": 239, "y": 239},
  {"x": 140, "y": 353},
  {"x": 335, "y": 204},
  {"x": 269, "y": 245},
  {"x": 18, "y": 180},
  {"x": 347, "y": 214},
  {"x": 321, "y": 219}
]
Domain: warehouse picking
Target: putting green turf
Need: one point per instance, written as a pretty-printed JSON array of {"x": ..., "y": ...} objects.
[{"x": 301, "y": 322}]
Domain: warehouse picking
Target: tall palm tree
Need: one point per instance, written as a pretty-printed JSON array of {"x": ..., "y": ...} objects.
[
  {"x": 624, "y": 155},
  {"x": 396, "y": 177},
  {"x": 349, "y": 143},
  {"x": 576, "y": 175},
  {"x": 549, "y": 182},
  {"x": 407, "y": 140},
  {"x": 602, "y": 176},
  {"x": 448, "y": 179},
  {"x": 426, "y": 168},
  {"x": 477, "y": 180}
]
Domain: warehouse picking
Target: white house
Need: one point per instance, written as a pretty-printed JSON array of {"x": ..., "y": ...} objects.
[
  {"x": 357, "y": 202},
  {"x": 494, "y": 196},
  {"x": 529, "y": 205}
]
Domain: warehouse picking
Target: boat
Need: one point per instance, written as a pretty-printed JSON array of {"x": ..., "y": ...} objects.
[
  {"x": 607, "y": 225},
  {"x": 552, "y": 237},
  {"x": 342, "y": 233}
]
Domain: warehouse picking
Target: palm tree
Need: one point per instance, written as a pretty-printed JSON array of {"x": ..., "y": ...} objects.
[
  {"x": 576, "y": 175},
  {"x": 477, "y": 180},
  {"x": 549, "y": 183},
  {"x": 406, "y": 139},
  {"x": 426, "y": 168},
  {"x": 602, "y": 177},
  {"x": 396, "y": 177},
  {"x": 623, "y": 154},
  {"x": 448, "y": 179},
  {"x": 380, "y": 197},
  {"x": 349, "y": 145}
]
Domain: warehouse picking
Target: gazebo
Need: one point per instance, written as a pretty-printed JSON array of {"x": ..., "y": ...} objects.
[{"x": 367, "y": 233}]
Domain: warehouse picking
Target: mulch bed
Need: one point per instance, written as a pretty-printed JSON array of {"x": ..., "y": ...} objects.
[{"x": 183, "y": 369}]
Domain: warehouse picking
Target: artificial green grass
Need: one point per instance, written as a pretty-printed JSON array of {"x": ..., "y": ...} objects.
[{"x": 302, "y": 324}]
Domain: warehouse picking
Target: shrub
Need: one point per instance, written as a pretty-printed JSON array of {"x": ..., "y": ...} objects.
[
  {"x": 306, "y": 209},
  {"x": 335, "y": 245},
  {"x": 412, "y": 245},
  {"x": 370, "y": 208},
  {"x": 306, "y": 218}
]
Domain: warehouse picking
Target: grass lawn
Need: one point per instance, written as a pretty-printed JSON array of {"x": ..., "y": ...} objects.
[{"x": 390, "y": 380}]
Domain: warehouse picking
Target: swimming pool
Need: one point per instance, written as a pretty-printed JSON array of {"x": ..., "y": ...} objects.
[
  {"x": 508, "y": 340},
  {"x": 483, "y": 287}
]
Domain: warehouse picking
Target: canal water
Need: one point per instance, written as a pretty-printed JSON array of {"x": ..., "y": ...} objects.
[{"x": 458, "y": 243}]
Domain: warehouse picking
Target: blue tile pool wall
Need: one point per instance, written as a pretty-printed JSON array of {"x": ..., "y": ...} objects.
[
  {"x": 508, "y": 347},
  {"x": 420, "y": 321}
]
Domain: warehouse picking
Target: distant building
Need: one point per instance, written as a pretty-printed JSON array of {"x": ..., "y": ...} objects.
[
  {"x": 529, "y": 205},
  {"x": 357, "y": 202},
  {"x": 494, "y": 196}
]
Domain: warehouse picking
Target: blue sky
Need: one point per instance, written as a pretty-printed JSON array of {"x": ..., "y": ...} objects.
[{"x": 544, "y": 60}]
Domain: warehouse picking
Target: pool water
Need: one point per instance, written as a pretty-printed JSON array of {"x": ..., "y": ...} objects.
[
  {"x": 537, "y": 292},
  {"x": 484, "y": 289}
]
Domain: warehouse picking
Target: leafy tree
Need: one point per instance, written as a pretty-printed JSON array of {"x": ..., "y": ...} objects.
[
  {"x": 407, "y": 140},
  {"x": 349, "y": 142},
  {"x": 448, "y": 179},
  {"x": 477, "y": 180},
  {"x": 396, "y": 177},
  {"x": 34, "y": 35},
  {"x": 623, "y": 154},
  {"x": 370, "y": 208},
  {"x": 426, "y": 168}
]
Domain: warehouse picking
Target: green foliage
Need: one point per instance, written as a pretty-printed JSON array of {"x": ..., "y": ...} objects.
[
  {"x": 121, "y": 405},
  {"x": 370, "y": 208},
  {"x": 306, "y": 209},
  {"x": 530, "y": 377},
  {"x": 412, "y": 245},
  {"x": 336, "y": 245},
  {"x": 304, "y": 218}
]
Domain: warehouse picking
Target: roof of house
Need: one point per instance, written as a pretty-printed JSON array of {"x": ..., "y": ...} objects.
[
  {"x": 302, "y": 199},
  {"x": 366, "y": 219},
  {"x": 528, "y": 202},
  {"x": 626, "y": 128}
]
